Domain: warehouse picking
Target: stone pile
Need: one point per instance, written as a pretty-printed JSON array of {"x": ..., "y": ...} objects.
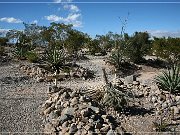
[
  {"x": 160, "y": 100},
  {"x": 40, "y": 74},
  {"x": 35, "y": 72},
  {"x": 71, "y": 112},
  {"x": 163, "y": 100}
]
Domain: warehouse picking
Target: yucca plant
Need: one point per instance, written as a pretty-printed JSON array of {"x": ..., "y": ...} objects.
[
  {"x": 170, "y": 80},
  {"x": 55, "y": 57}
]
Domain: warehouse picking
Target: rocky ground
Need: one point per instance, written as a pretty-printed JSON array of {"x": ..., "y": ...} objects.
[
  {"x": 20, "y": 99},
  {"x": 22, "y": 96}
]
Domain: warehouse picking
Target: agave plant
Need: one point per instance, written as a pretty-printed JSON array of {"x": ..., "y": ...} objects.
[
  {"x": 169, "y": 80},
  {"x": 110, "y": 95},
  {"x": 116, "y": 58}
]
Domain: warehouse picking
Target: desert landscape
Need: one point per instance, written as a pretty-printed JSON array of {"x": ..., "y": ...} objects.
[{"x": 59, "y": 80}]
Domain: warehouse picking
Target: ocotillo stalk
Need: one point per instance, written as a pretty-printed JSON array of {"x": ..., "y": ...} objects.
[{"x": 104, "y": 76}]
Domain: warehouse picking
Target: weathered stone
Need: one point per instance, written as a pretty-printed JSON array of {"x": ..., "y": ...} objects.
[
  {"x": 74, "y": 100},
  {"x": 176, "y": 110},
  {"x": 73, "y": 128},
  {"x": 55, "y": 122},
  {"x": 49, "y": 128},
  {"x": 86, "y": 112},
  {"x": 120, "y": 131},
  {"x": 95, "y": 109},
  {"x": 63, "y": 118},
  {"x": 58, "y": 107},
  {"x": 47, "y": 111},
  {"x": 47, "y": 104},
  {"x": 98, "y": 125},
  {"x": 177, "y": 99},
  {"x": 136, "y": 83},
  {"x": 65, "y": 131},
  {"x": 87, "y": 127},
  {"x": 52, "y": 89},
  {"x": 129, "y": 79},
  {"x": 110, "y": 132},
  {"x": 164, "y": 105},
  {"x": 39, "y": 79},
  {"x": 65, "y": 104},
  {"x": 53, "y": 114},
  {"x": 105, "y": 128},
  {"x": 68, "y": 111},
  {"x": 65, "y": 124},
  {"x": 65, "y": 95},
  {"x": 153, "y": 99}
]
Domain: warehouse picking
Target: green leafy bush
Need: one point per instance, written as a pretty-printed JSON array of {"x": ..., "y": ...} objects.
[
  {"x": 170, "y": 79},
  {"x": 32, "y": 56},
  {"x": 167, "y": 49},
  {"x": 139, "y": 45}
]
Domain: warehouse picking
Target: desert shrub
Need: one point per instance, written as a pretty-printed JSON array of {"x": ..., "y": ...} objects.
[
  {"x": 3, "y": 41},
  {"x": 20, "y": 51},
  {"x": 32, "y": 56},
  {"x": 167, "y": 49},
  {"x": 170, "y": 80},
  {"x": 2, "y": 50},
  {"x": 94, "y": 47},
  {"x": 139, "y": 45}
]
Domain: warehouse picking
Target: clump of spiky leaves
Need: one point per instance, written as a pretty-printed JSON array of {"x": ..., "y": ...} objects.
[
  {"x": 55, "y": 56},
  {"x": 110, "y": 94},
  {"x": 170, "y": 80},
  {"x": 116, "y": 58},
  {"x": 114, "y": 97}
]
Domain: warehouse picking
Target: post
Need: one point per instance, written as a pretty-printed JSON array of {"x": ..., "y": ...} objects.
[{"x": 55, "y": 81}]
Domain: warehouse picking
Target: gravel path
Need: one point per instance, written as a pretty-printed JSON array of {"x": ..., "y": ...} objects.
[{"x": 20, "y": 99}]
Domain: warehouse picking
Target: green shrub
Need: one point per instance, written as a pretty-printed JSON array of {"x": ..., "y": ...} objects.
[
  {"x": 167, "y": 49},
  {"x": 170, "y": 80},
  {"x": 32, "y": 56},
  {"x": 2, "y": 50}
]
